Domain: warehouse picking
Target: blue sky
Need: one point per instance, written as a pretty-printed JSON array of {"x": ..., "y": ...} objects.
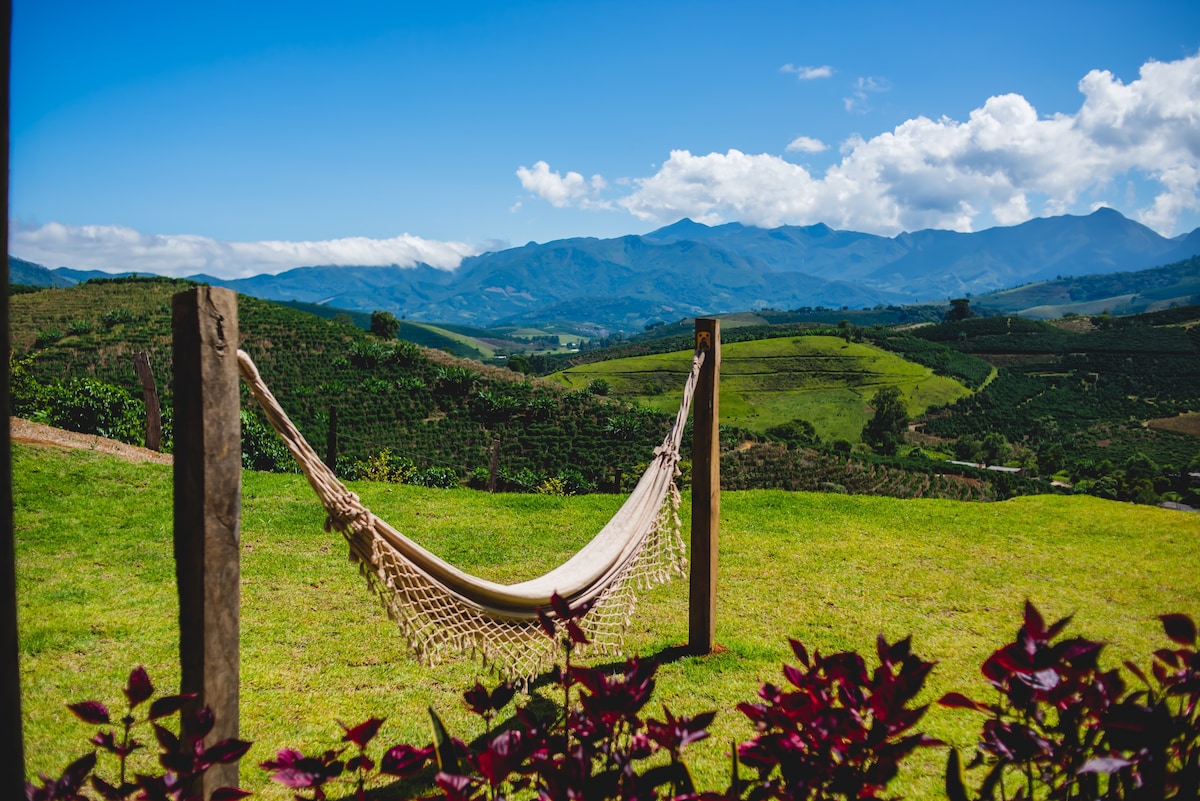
[{"x": 236, "y": 138}]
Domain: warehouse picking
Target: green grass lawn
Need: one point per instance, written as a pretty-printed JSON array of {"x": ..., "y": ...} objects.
[
  {"x": 96, "y": 597},
  {"x": 822, "y": 379}
]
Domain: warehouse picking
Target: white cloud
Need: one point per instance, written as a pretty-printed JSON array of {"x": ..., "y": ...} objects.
[
  {"x": 806, "y": 144},
  {"x": 808, "y": 73},
  {"x": 858, "y": 102},
  {"x": 561, "y": 192},
  {"x": 1002, "y": 165},
  {"x": 118, "y": 249}
]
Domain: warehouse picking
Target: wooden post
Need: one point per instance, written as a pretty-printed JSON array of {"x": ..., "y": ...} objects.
[
  {"x": 706, "y": 492},
  {"x": 141, "y": 361},
  {"x": 208, "y": 491},
  {"x": 12, "y": 764},
  {"x": 494, "y": 469},
  {"x": 331, "y": 444}
]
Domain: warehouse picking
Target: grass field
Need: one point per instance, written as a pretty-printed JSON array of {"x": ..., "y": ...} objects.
[
  {"x": 822, "y": 379},
  {"x": 96, "y": 597}
]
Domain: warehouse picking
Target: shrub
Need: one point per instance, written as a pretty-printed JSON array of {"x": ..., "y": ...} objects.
[
  {"x": 387, "y": 466},
  {"x": 1061, "y": 728},
  {"x": 47, "y": 337},
  {"x": 1063, "y": 724},
  {"x": 114, "y": 317},
  {"x": 184, "y": 759},
  {"x": 436, "y": 477},
  {"x": 262, "y": 449}
]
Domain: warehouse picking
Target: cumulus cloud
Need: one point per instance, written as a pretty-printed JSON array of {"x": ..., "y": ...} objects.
[
  {"x": 1002, "y": 165},
  {"x": 118, "y": 249},
  {"x": 808, "y": 73},
  {"x": 806, "y": 144},
  {"x": 560, "y": 191}
]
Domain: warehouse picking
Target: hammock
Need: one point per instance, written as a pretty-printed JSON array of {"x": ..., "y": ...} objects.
[{"x": 441, "y": 609}]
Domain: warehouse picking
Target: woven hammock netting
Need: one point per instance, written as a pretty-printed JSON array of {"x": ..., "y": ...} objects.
[{"x": 442, "y": 611}]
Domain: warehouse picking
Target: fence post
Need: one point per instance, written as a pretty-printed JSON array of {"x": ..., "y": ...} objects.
[
  {"x": 706, "y": 491},
  {"x": 141, "y": 362},
  {"x": 12, "y": 765},
  {"x": 208, "y": 491}
]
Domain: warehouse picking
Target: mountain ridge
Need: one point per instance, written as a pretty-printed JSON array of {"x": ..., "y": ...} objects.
[{"x": 687, "y": 269}]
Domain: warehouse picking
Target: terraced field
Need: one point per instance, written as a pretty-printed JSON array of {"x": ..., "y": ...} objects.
[{"x": 822, "y": 379}]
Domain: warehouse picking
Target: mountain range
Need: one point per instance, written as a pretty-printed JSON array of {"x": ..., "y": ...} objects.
[{"x": 688, "y": 269}]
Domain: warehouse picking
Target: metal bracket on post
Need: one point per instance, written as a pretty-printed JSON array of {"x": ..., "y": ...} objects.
[
  {"x": 706, "y": 491},
  {"x": 208, "y": 497}
]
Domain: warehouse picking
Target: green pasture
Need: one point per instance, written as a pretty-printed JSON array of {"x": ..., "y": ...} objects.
[
  {"x": 96, "y": 597},
  {"x": 487, "y": 351},
  {"x": 822, "y": 379}
]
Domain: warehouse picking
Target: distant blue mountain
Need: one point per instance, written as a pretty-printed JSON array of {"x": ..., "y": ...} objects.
[
  {"x": 687, "y": 269},
  {"x": 30, "y": 274}
]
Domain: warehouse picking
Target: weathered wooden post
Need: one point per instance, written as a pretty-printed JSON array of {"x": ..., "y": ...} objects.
[
  {"x": 706, "y": 491},
  {"x": 208, "y": 493},
  {"x": 141, "y": 362},
  {"x": 494, "y": 469},
  {"x": 12, "y": 765}
]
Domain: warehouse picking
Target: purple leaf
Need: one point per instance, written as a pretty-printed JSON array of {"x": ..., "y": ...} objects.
[
  {"x": 1105, "y": 765},
  {"x": 168, "y": 705},
  {"x": 1035, "y": 626},
  {"x": 229, "y": 794},
  {"x": 361, "y": 763},
  {"x": 456, "y": 787},
  {"x": 138, "y": 689},
  {"x": 90, "y": 712},
  {"x": 1179, "y": 628},
  {"x": 960, "y": 701},
  {"x": 560, "y": 606},
  {"x": 502, "y": 695},
  {"x": 576, "y": 634},
  {"x": 404, "y": 760},
  {"x": 111, "y": 792},
  {"x": 800, "y": 651},
  {"x": 226, "y": 751},
  {"x": 363, "y": 733},
  {"x": 77, "y": 771},
  {"x": 477, "y": 699},
  {"x": 167, "y": 740},
  {"x": 546, "y": 623}
]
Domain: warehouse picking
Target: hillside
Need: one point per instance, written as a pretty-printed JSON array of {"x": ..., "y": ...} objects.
[
  {"x": 405, "y": 414},
  {"x": 764, "y": 383},
  {"x": 1122, "y": 293},
  {"x": 441, "y": 414},
  {"x": 1080, "y": 393}
]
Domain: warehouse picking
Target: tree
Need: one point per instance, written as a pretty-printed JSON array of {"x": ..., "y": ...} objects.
[
  {"x": 995, "y": 448},
  {"x": 384, "y": 325},
  {"x": 519, "y": 363},
  {"x": 796, "y": 433},
  {"x": 960, "y": 309},
  {"x": 885, "y": 431}
]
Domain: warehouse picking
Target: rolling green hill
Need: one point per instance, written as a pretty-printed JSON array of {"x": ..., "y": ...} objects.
[
  {"x": 1122, "y": 293},
  {"x": 421, "y": 405},
  {"x": 822, "y": 379}
]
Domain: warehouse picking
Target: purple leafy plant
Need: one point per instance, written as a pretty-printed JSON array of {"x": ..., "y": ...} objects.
[
  {"x": 1063, "y": 728},
  {"x": 840, "y": 731},
  {"x": 183, "y": 757}
]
